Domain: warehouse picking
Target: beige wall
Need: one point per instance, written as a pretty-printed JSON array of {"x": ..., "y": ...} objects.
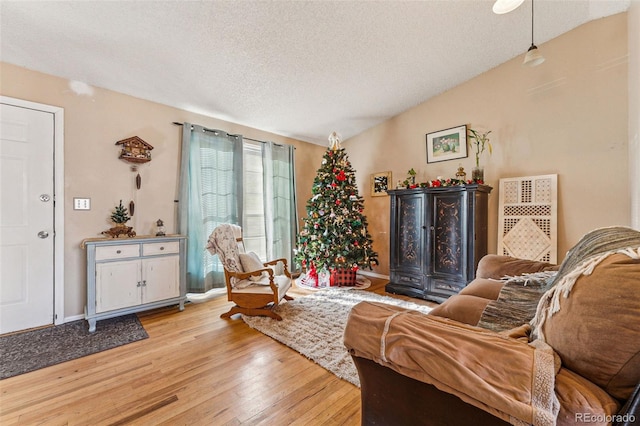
[
  {"x": 634, "y": 111},
  {"x": 93, "y": 124},
  {"x": 568, "y": 116}
]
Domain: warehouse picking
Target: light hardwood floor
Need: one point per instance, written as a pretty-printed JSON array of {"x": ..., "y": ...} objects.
[{"x": 194, "y": 369}]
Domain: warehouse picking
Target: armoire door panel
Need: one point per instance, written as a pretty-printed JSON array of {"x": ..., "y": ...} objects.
[{"x": 449, "y": 240}]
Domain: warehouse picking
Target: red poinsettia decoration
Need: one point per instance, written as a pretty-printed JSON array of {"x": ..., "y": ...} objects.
[{"x": 341, "y": 176}]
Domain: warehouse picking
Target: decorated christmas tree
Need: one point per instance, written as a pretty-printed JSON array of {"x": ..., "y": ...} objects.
[{"x": 334, "y": 238}]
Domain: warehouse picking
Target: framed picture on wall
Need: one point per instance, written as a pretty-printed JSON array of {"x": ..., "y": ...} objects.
[
  {"x": 448, "y": 144},
  {"x": 380, "y": 183}
]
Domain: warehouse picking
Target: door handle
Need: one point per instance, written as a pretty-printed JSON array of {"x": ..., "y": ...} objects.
[
  {"x": 45, "y": 197},
  {"x": 43, "y": 234}
]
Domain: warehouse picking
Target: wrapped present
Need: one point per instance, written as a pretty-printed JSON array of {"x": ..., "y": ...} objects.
[{"x": 343, "y": 277}]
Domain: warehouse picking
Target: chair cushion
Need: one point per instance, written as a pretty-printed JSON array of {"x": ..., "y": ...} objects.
[
  {"x": 596, "y": 330},
  {"x": 251, "y": 262},
  {"x": 283, "y": 283}
]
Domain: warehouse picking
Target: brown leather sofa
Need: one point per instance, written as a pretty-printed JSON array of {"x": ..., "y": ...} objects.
[{"x": 443, "y": 369}]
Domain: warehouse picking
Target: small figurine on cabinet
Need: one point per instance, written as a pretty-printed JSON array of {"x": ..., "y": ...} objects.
[
  {"x": 461, "y": 174},
  {"x": 160, "y": 228}
]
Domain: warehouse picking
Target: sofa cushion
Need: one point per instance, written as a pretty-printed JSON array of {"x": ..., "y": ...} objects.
[
  {"x": 496, "y": 266},
  {"x": 596, "y": 331},
  {"x": 483, "y": 287},
  {"x": 462, "y": 308},
  {"x": 582, "y": 401}
]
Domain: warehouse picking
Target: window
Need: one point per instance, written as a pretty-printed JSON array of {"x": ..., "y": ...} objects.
[{"x": 253, "y": 222}]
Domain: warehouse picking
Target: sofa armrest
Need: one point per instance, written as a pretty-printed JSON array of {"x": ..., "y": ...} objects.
[
  {"x": 503, "y": 376},
  {"x": 495, "y": 266},
  {"x": 390, "y": 398}
]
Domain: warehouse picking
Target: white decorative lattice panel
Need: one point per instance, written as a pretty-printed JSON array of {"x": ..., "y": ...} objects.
[{"x": 528, "y": 218}]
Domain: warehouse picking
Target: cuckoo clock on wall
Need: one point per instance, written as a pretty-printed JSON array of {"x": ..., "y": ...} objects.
[{"x": 135, "y": 150}]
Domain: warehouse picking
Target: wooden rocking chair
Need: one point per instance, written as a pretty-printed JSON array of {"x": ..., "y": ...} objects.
[{"x": 255, "y": 287}]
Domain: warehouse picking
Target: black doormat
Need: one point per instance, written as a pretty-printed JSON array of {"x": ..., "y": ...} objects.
[{"x": 35, "y": 349}]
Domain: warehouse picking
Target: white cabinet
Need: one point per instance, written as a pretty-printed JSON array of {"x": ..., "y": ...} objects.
[{"x": 127, "y": 276}]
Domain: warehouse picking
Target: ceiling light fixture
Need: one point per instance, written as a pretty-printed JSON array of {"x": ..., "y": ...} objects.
[
  {"x": 533, "y": 56},
  {"x": 505, "y": 6}
]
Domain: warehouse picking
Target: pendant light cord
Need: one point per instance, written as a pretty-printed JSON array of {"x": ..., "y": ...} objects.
[{"x": 532, "y": 22}]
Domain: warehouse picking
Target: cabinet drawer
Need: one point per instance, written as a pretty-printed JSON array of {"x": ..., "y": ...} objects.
[
  {"x": 150, "y": 249},
  {"x": 446, "y": 286},
  {"x": 407, "y": 280},
  {"x": 117, "y": 252}
]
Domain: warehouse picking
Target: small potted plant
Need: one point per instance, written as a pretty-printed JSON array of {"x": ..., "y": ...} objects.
[
  {"x": 120, "y": 215},
  {"x": 479, "y": 142}
]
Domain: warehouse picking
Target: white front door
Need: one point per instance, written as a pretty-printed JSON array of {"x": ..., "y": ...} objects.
[{"x": 26, "y": 218}]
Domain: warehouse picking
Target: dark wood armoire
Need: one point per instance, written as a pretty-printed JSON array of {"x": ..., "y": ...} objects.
[{"x": 438, "y": 235}]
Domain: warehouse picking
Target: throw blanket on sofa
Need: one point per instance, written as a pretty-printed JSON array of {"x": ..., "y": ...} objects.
[
  {"x": 590, "y": 251},
  {"x": 508, "y": 378},
  {"x": 516, "y": 304}
]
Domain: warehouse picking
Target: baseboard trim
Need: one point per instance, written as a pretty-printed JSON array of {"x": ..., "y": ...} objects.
[
  {"x": 373, "y": 274},
  {"x": 73, "y": 318}
]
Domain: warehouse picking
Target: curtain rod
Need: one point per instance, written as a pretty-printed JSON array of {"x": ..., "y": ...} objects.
[{"x": 243, "y": 137}]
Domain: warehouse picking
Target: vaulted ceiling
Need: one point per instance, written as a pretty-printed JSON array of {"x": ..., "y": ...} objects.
[{"x": 296, "y": 68}]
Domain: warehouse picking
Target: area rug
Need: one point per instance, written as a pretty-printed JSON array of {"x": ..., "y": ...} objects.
[
  {"x": 314, "y": 326},
  {"x": 24, "y": 352}
]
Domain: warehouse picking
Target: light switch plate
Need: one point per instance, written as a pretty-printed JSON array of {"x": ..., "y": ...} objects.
[{"x": 82, "y": 203}]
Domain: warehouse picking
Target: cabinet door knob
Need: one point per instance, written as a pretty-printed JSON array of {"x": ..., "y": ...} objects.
[
  {"x": 161, "y": 248},
  {"x": 118, "y": 251}
]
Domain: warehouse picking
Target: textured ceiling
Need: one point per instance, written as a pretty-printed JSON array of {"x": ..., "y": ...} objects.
[{"x": 296, "y": 68}]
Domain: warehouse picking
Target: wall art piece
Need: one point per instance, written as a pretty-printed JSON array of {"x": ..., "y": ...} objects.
[
  {"x": 448, "y": 144},
  {"x": 380, "y": 183}
]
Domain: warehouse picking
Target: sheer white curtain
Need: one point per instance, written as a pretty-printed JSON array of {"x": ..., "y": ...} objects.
[
  {"x": 270, "y": 216},
  {"x": 210, "y": 194},
  {"x": 280, "y": 201}
]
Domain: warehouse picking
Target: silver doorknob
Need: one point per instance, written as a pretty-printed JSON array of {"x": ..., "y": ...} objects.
[
  {"x": 43, "y": 234},
  {"x": 45, "y": 197}
]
